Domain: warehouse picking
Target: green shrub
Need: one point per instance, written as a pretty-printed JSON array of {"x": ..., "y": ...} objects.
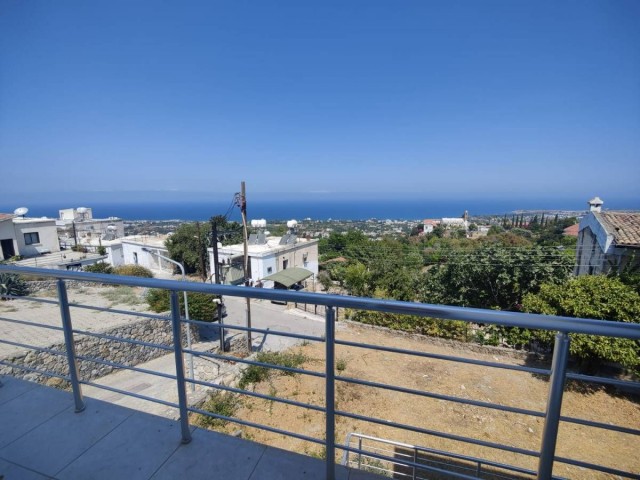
[
  {"x": 14, "y": 285},
  {"x": 102, "y": 250},
  {"x": 257, "y": 374},
  {"x": 133, "y": 271},
  {"x": 220, "y": 403},
  {"x": 100, "y": 267},
  {"x": 434, "y": 327},
  {"x": 202, "y": 306}
]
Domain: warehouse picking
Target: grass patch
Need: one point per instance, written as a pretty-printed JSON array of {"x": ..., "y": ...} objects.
[
  {"x": 341, "y": 364},
  {"x": 122, "y": 295},
  {"x": 256, "y": 374},
  {"x": 220, "y": 403}
]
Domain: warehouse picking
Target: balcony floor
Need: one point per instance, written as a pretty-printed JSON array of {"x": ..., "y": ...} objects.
[{"x": 41, "y": 437}]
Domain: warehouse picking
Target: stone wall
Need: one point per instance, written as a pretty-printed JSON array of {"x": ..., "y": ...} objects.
[{"x": 147, "y": 330}]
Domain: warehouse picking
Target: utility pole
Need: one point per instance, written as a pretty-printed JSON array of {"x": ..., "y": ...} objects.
[
  {"x": 203, "y": 272},
  {"x": 243, "y": 211},
  {"x": 216, "y": 276}
]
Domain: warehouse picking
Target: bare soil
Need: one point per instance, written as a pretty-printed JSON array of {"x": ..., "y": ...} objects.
[{"x": 504, "y": 387}]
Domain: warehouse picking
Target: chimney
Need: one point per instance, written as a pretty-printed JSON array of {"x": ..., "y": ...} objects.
[{"x": 595, "y": 204}]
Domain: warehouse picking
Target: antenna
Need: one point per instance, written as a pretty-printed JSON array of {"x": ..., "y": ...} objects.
[{"x": 21, "y": 212}]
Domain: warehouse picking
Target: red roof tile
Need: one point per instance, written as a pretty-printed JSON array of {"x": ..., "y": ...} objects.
[{"x": 624, "y": 226}]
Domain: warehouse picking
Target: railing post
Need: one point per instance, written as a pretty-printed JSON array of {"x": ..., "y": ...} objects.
[
  {"x": 63, "y": 301},
  {"x": 415, "y": 460},
  {"x": 359, "y": 452},
  {"x": 177, "y": 345},
  {"x": 554, "y": 405},
  {"x": 330, "y": 427}
]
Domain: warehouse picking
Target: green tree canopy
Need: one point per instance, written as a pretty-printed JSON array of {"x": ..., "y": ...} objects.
[
  {"x": 187, "y": 245},
  {"x": 591, "y": 296},
  {"x": 494, "y": 276}
]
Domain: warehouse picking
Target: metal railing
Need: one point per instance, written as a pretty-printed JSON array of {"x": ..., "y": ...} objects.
[{"x": 546, "y": 456}]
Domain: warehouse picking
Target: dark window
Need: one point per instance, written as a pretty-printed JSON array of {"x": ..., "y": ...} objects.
[
  {"x": 269, "y": 269},
  {"x": 31, "y": 238}
]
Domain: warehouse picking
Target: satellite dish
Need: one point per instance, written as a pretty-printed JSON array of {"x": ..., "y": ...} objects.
[
  {"x": 81, "y": 210},
  {"x": 112, "y": 228},
  {"x": 21, "y": 212},
  {"x": 292, "y": 224}
]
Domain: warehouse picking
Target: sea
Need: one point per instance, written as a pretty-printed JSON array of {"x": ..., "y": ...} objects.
[{"x": 352, "y": 209}]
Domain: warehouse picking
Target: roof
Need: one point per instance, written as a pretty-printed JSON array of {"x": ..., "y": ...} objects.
[
  {"x": 430, "y": 221},
  {"x": 289, "y": 276},
  {"x": 5, "y": 216},
  {"x": 624, "y": 226},
  {"x": 572, "y": 231}
]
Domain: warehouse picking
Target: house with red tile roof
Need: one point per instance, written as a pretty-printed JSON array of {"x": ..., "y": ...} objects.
[{"x": 607, "y": 240}]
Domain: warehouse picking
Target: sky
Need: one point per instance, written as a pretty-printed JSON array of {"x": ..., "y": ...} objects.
[{"x": 366, "y": 99}]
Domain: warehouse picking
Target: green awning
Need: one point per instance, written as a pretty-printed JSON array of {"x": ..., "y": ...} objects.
[{"x": 290, "y": 276}]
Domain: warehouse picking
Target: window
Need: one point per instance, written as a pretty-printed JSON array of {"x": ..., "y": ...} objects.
[
  {"x": 31, "y": 238},
  {"x": 269, "y": 269},
  {"x": 285, "y": 264}
]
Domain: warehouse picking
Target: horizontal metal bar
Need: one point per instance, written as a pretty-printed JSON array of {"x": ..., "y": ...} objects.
[
  {"x": 439, "y": 396},
  {"x": 436, "y": 433},
  {"x": 441, "y": 453},
  {"x": 31, "y": 324},
  {"x": 264, "y": 331},
  {"x": 604, "y": 426},
  {"x": 257, "y": 395},
  {"x": 33, "y": 347},
  {"x": 132, "y": 313},
  {"x": 451, "y": 358},
  {"x": 253, "y": 362},
  {"x": 124, "y": 340},
  {"x": 593, "y": 466},
  {"x": 606, "y": 381},
  {"x": 495, "y": 317},
  {"x": 130, "y": 394},
  {"x": 256, "y": 425},
  {"x": 394, "y": 460},
  {"x": 31, "y": 299},
  {"x": 35, "y": 370},
  {"x": 125, "y": 367}
]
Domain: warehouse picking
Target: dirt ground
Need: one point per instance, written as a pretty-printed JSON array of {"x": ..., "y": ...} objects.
[{"x": 505, "y": 387}]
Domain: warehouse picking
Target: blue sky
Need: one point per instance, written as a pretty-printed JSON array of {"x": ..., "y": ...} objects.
[{"x": 438, "y": 99}]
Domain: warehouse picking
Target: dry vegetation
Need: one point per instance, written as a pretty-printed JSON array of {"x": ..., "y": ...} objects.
[{"x": 500, "y": 386}]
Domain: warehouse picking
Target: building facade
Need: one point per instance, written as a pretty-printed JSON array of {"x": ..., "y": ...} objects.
[
  {"x": 607, "y": 240},
  {"x": 27, "y": 237},
  {"x": 271, "y": 255}
]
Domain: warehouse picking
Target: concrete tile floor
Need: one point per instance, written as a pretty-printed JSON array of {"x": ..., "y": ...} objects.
[{"x": 41, "y": 437}]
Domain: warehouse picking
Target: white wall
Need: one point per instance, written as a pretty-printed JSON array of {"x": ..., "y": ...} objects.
[
  {"x": 46, "y": 230},
  {"x": 133, "y": 254}
]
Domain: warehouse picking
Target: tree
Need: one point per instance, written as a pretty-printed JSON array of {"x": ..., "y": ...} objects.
[
  {"x": 494, "y": 276},
  {"x": 229, "y": 233},
  {"x": 590, "y": 296},
  {"x": 186, "y": 246},
  {"x": 357, "y": 279}
]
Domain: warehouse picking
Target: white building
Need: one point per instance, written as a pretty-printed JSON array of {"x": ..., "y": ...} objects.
[
  {"x": 77, "y": 225},
  {"x": 607, "y": 240},
  {"x": 267, "y": 255},
  {"x": 27, "y": 237},
  {"x": 138, "y": 250}
]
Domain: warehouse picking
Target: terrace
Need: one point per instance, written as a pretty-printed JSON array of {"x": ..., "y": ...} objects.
[{"x": 50, "y": 433}]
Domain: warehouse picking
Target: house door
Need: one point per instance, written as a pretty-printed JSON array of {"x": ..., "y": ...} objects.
[{"x": 7, "y": 248}]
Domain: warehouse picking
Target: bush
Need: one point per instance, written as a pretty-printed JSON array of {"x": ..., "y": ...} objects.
[
  {"x": 100, "y": 267},
  {"x": 257, "y": 374},
  {"x": 221, "y": 403},
  {"x": 13, "y": 285},
  {"x": 102, "y": 250},
  {"x": 202, "y": 306},
  {"x": 434, "y": 327},
  {"x": 133, "y": 271}
]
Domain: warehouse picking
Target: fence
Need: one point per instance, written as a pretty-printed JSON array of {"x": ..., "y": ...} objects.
[{"x": 546, "y": 455}]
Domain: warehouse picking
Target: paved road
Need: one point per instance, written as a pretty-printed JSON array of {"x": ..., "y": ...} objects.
[{"x": 264, "y": 315}]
